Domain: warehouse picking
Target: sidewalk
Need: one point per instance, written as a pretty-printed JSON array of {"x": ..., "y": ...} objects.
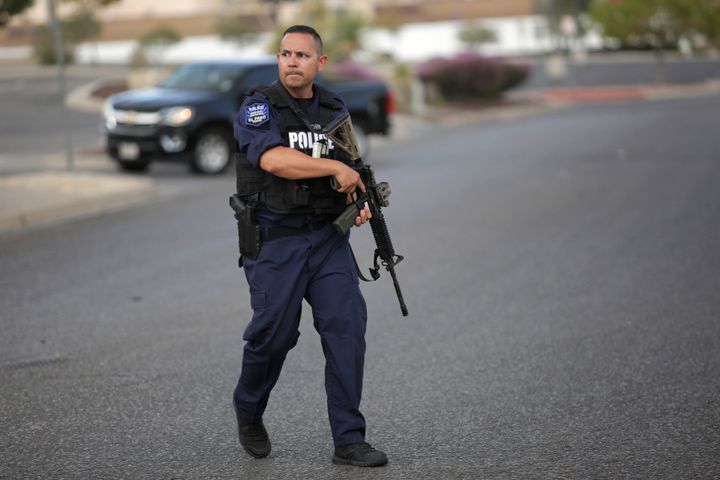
[
  {"x": 621, "y": 93},
  {"x": 30, "y": 200}
]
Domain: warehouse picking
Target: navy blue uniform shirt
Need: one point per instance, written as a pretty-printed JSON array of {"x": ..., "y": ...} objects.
[{"x": 257, "y": 130}]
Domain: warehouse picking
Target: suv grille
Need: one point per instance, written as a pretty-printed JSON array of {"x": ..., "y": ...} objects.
[{"x": 132, "y": 117}]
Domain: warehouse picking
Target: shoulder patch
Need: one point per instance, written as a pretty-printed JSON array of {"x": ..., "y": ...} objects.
[{"x": 256, "y": 114}]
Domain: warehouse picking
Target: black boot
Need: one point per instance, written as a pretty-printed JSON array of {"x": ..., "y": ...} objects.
[
  {"x": 360, "y": 455},
  {"x": 253, "y": 437}
]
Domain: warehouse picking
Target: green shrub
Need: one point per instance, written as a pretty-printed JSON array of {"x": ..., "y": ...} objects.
[
  {"x": 236, "y": 30},
  {"x": 44, "y": 47},
  {"x": 160, "y": 37},
  {"x": 152, "y": 46},
  {"x": 471, "y": 76},
  {"x": 76, "y": 29}
]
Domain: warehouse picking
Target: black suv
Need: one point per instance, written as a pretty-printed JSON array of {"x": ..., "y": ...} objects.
[{"x": 188, "y": 117}]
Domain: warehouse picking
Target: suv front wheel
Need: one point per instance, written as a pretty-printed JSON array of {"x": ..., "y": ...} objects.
[{"x": 213, "y": 151}]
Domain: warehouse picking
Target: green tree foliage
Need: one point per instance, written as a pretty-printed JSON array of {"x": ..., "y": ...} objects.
[
  {"x": 82, "y": 25},
  {"x": 90, "y": 5},
  {"x": 44, "y": 47},
  {"x": 703, "y": 18},
  {"x": 153, "y": 44},
  {"x": 639, "y": 23},
  {"x": 474, "y": 34},
  {"x": 9, "y": 8},
  {"x": 79, "y": 27},
  {"x": 161, "y": 37},
  {"x": 312, "y": 12},
  {"x": 274, "y": 46},
  {"x": 345, "y": 35},
  {"x": 236, "y": 30},
  {"x": 317, "y": 13},
  {"x": 340, "y": 31},
  {"x": 658, "y": 24}
]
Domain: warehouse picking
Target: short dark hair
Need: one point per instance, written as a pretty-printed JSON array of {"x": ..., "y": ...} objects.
[{"x": 308, "y": 30}]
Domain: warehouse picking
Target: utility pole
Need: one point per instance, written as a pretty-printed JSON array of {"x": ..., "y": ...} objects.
[{"x": 60, "y": 59}]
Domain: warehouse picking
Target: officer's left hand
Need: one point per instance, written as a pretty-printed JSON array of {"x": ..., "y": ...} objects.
[{"x": 363, "y": 216}]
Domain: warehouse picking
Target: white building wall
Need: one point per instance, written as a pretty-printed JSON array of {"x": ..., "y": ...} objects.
[
  {"x": 410, "y": 43},
  {"x": 419, "y": 41},
  {"x": 188, "y": 50}
]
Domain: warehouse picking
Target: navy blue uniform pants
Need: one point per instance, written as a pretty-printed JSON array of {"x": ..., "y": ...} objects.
[{"x": 316, "y": 266}]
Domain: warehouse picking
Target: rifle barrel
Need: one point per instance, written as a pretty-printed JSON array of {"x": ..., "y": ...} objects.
[{"x": 403, "y": 308}]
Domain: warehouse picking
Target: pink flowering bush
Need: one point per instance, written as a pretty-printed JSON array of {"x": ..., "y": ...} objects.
[
  {"x": 471, "y": 76},
  {"x": 350, "y": 71}
]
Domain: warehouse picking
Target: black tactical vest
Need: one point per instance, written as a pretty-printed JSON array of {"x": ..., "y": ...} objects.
[{"x": 299, "y": 130}]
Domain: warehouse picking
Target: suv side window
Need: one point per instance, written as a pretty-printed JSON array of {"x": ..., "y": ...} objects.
[{"x": 263, "y": 75}]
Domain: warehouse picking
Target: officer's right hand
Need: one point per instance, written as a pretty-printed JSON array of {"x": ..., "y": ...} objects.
[{"x": 348, "y": 179}]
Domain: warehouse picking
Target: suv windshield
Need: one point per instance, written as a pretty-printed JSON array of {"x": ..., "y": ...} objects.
[{"x": 217, "y": 78}]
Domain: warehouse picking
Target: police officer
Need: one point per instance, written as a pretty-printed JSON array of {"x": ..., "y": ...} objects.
[{"x": 298, "y": 254}]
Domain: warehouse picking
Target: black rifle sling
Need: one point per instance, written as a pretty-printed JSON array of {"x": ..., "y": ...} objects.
[
  {"x": 277, "y": 87},
  {"x": 374, "y": 273}
]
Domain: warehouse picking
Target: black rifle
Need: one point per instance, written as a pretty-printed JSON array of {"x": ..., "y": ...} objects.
[{"x": 375, "y": 196}]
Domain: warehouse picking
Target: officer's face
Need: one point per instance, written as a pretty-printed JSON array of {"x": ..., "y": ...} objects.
[{"x": 299, "y": 63}]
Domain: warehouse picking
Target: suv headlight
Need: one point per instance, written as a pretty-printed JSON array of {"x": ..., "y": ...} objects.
[
  {"x": 176, "y": 116},
  {"x": 109, "y": 115}
]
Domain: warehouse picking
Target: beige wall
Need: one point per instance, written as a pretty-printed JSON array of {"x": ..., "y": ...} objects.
[
  {"x": 134, "y": 9},
  {"x": 129, "y": 19},
  {"x": 423, "y": 10},
  {"x": 125, "y": 9}
]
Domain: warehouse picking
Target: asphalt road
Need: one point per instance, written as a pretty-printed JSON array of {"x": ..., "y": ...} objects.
[
  {"x": 562, "y": 275},
  {"x": 33, "y": 120}
]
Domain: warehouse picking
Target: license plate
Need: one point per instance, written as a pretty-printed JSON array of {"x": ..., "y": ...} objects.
[{"x": 128, "y": 151}]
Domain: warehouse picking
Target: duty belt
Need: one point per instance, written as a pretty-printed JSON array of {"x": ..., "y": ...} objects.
[{"x": 271, "y": 233}]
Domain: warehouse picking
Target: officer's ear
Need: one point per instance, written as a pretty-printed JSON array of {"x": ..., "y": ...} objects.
[{"x": 322, "y": 61}]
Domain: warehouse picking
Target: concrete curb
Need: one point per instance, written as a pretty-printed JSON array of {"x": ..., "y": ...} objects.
[
  {"x": 507, "y": 110},
  {"x": 82, "y": 98},
  {"x": 41, "y": 198},
  {"x": 624, "y": 93}
]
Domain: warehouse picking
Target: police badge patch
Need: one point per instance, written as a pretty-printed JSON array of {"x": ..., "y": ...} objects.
[{"x": 256, "y": 114}]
